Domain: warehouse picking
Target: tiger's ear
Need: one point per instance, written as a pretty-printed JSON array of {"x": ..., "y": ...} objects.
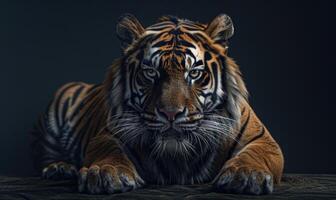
[
  {"x": 220, "y": 29},
  {"x": 128, "y": 30}
]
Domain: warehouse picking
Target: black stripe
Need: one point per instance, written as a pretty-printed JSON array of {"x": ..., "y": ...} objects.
[
  {"x": 261, "y": 133},
  {"x": 76, "y": 94},
  {"x": 58, "y": 99},
  {"x": 45, "y": 143},
  {"x": 64, "y": 110},
  {"x": 87, "y": 115},
  {"x": 207, "y": 56},
  {"x": 199, "y": 63},
  {"x": 214, "y": 67},
  {"x": 187, "y": 51},
  {"x": 242, "y": 130},
  {"x": 186, "y": 43},
  {"x": 192, "y": 36},
  {"x": 88, "y": 129},
  {"x": 160, "y": 44},
  {"x": 91, "y": 93}
]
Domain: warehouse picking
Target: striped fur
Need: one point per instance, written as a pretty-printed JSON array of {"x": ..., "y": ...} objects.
[
  {"x": 172, "y": 110},
  {"x": 74, "y": 116}
]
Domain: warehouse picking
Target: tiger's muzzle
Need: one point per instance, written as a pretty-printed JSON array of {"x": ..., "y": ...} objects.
[{"x": 172, "y": 121}]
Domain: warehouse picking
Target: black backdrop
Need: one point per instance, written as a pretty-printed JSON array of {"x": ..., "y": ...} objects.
[{"x": 283, "y": 47}]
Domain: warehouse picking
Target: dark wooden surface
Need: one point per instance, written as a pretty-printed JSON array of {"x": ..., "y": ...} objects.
[{"x": 293, "y": 186}]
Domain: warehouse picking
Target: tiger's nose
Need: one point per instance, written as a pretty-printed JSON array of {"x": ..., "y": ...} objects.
[{"x": 172, "y": 114}]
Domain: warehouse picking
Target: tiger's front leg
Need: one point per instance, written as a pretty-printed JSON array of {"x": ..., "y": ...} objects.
[
  {"x": 257, "y": 162},
  {"x": 107, "y": 168}
]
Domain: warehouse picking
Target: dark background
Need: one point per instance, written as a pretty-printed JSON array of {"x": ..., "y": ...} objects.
[{"x": 284, "y": 48}]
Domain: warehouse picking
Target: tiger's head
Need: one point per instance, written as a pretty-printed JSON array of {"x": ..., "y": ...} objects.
[{"x": 175, "y": 91}]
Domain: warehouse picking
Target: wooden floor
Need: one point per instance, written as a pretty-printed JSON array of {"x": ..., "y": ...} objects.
[{"x": 293, "y": 186}]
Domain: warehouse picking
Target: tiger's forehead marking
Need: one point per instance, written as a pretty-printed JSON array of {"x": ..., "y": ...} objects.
[
  {"x": 172, "y": 46},
  {"x": 187, "y": 60}
]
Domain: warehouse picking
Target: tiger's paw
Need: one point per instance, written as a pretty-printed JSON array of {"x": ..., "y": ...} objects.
[
  {"x": 108, "y": 179},
  {"x": 59, "y": 171},
  {"x": 243, "y": 180}
]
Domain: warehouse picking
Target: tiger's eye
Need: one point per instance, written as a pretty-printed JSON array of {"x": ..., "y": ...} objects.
[
  {"x": 150, "y": 72},
  {"x": 195, "y": 74}
]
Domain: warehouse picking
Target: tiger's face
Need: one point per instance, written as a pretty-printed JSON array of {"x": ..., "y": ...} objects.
[
  {"x": 173, "y": 83},
  {"x": 174, "y": 75}
]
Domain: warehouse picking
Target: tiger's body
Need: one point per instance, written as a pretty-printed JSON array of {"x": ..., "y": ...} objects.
[{"x": 173, "y": 110}]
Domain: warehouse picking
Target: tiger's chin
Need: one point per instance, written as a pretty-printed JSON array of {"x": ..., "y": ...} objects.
[{"x": 173, "y": 145}]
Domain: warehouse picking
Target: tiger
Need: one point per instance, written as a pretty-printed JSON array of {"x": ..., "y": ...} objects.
[{"x": 172, "y": 109}]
